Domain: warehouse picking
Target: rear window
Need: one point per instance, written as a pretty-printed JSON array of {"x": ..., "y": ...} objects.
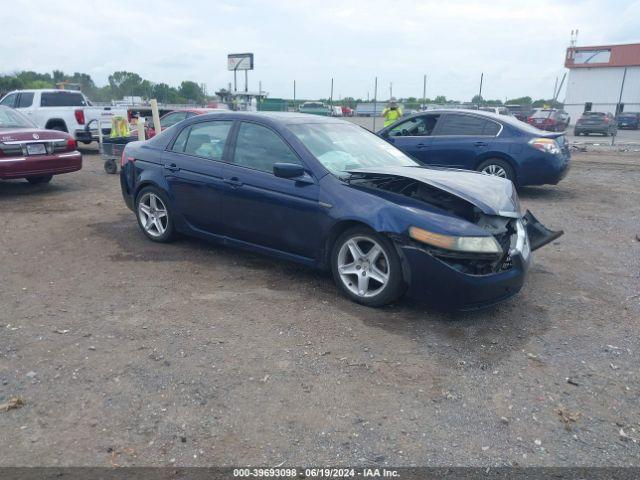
[
  {"x": 544, "y": 113},
  {"x": 593, "y": 114},
  {"x": 455, "y": 124},
  {"x": 62, "y": 99}
]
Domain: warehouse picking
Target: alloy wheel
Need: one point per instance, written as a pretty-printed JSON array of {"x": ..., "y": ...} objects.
[
  {"x": 153, "y": 214},
  {"x": 495, "y": 170},
  {"x": 363, "y": 266}
]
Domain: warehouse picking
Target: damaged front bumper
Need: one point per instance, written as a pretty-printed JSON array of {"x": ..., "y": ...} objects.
[{"x": 440, "y": 282}]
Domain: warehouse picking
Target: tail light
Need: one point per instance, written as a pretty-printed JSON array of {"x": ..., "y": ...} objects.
[
  {"x": 71, "y": 145},
  {"x": 79, "y": 116},
  {"x": 547, "y": 145},
  {"x": 606, "y": 120},
  {"x": 124, "y": 158}
]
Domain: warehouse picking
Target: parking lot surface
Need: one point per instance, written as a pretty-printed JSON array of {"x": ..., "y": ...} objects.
[{"x": 127, "y": 352}]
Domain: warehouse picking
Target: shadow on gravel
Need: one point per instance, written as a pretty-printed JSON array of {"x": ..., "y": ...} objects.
[
  {"x": 545, "y": 193},
  {"x": 19, "y": 188},
  {"x": 486, "y": 335}
]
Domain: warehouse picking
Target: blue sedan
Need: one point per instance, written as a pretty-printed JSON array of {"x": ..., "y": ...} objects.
[
  {"x": 329, "y": 194},
  {"x": 475, "y": 140}
]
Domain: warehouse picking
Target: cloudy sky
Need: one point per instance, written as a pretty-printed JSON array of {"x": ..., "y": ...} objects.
[{"x": 519, "y": 45}]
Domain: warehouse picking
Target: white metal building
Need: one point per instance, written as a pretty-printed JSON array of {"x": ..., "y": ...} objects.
[{"x": 596, "y": 76}]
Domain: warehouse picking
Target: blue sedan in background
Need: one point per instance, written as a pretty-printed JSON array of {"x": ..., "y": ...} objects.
[
  {"x": 329, "y": 194},
  {"x": 475, "y": 140}
]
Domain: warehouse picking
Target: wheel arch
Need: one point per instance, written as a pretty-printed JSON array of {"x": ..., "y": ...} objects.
[
  {"x": 336, "y": 230},
  {"x": 52, "y": 122}
]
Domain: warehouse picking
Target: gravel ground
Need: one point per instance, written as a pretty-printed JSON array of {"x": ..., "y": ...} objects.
[{"x": 133, "y": 353}]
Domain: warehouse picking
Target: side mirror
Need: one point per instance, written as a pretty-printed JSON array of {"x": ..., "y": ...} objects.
[
  {"x": 287, "y": 170},
  {"x": 384, "y": 133}
]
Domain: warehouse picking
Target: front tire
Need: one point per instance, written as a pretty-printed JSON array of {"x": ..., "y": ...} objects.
[
  {"x": 39, "y": 180},
  {"x": 498, "y": 168},
  {"x": 366, "y": 267},
  {"x": 154, "y": 215}
]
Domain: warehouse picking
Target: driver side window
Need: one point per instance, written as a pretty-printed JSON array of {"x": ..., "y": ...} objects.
[{"x": 415, "y": 127}]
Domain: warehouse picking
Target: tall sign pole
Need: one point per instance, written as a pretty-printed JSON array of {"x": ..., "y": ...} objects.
[
  {"x": 294, "y": 94},
  {"x": 424, "y": 91},
  {"x": 480, "y": 92},
  {"x": 375, "y": 102}
]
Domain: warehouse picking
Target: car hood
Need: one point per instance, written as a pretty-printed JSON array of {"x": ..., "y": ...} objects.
[{"x": 492, "y": 195}]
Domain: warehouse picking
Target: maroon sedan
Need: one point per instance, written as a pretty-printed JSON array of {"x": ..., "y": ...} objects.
[{"x": 32, "y": 153}]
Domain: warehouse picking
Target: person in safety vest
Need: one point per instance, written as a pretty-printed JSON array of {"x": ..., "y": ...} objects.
[{"x": 392, "y": 112}]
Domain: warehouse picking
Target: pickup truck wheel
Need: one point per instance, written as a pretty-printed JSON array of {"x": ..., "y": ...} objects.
[{"x": 38, "y": 180}]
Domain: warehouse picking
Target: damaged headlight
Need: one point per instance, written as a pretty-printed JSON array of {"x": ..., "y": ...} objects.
[
  {"x": 522, "y": 241},
  {"x": 458, "y": 244}
]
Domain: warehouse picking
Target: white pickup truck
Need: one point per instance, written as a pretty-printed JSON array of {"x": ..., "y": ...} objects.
[{"x": 66, "y": 110}]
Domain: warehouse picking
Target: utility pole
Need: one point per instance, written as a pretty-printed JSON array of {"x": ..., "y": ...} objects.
[
  {"x": 624, "y": 76},
  {"x": 331, "y": 95},
  {"x": 294, "y": 95},
  {"x": 424, "y": 91},
  {"x": 480, "y": 92},
  {"x": 375, "y": 94},
  {"x": 555, "y": 87},
  {"x": 390, "y": 89}
]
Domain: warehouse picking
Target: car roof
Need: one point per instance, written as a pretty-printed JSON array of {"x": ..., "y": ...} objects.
[
  {"x": 274, "y": 118},
  {"x": 43, "y": 90}
]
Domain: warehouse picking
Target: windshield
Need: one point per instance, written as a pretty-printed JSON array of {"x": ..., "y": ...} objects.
[
  {"x": 341, "y": 147},
  {"x": 11, "y": 119}
]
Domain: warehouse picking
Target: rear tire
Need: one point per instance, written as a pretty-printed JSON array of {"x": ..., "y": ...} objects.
[
  {"x": 39, "y": 180},
  {"x": 366, "y": 267},
  {"x": 498, "y": 168},
  {"x": 154, "y": 215}
]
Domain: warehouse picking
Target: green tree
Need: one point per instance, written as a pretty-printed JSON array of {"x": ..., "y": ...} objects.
[
  {"x": 440, "y": 100},
  {"x": 125, "y": 84},
  {"x": 191, "y": 91},
  {"x": 477, "y": 100},
  {"x": 520, "y": 101}
]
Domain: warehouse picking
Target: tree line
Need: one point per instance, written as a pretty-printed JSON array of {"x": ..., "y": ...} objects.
[
  {"x": 127, "y": 84},
  {"x": 121, "y": 84}
]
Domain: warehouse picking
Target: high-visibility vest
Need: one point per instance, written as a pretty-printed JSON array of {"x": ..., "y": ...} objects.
[{"x": 391, "y": 115}]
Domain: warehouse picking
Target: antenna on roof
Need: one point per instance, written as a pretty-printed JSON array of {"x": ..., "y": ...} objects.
[{"x": 574, "y": 38}]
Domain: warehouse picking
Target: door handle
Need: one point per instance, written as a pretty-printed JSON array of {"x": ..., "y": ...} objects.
[
  {"x": 172, "y": 167},
  {"x": 422, "y": 145},
  {"x": 480, "y": 144},
  {"x": 233, "y": 181}
]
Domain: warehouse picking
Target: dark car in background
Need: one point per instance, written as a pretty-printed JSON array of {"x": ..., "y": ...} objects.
[
  {"x": 33, "y": 153},
  {"x": 628, "y": 120},
  {"x": 474, "y": 140},
  {"x": 521, "y": 112},
  {"x": 550, "y": 119},
  {"x": 171, "y": 118},
  {"x": 596, "y": 122},
  {"x": 329, "y": 194}
]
